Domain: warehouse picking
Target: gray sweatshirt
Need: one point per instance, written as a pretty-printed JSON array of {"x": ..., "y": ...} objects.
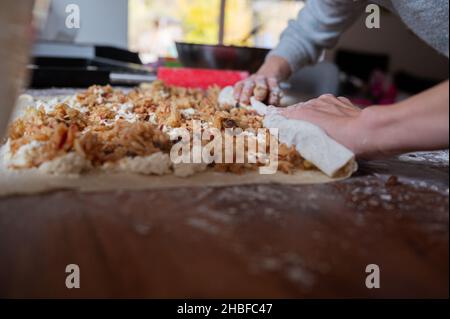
[{"x": 321, "y": 22}]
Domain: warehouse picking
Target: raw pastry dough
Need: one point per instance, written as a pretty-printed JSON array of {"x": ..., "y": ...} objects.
[{"x": 312, "y": 143}]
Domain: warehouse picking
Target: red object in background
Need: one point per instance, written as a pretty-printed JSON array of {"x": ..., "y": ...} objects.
[{"x": 200, "y": 78}]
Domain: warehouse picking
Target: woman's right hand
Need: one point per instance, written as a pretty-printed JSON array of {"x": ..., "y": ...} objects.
[{"x": 264, "y": 85}]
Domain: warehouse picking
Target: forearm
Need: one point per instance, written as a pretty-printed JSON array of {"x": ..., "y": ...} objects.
[
  {"x": 419, "y": 123},
  {"x": 275, "y": 67},
  {"x": 317, "y": 27}
]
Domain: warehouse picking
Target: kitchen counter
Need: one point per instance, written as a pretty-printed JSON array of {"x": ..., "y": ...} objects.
[{"x": 247, "y": 241}]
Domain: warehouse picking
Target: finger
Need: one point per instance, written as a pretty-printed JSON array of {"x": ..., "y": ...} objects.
[
  {"x": 333, "y": 104},
  {"x": 311, "y": 102},
  {"x": 238, "y": 90},
  {"x": 321, "y": 103},
  {"x": 336, "y": 101},
  {"x": 261, "y": 89},
  {"x": 247, "y": 91},
  {"x": 296, "y": 108},
  {"x": 325, "y": 106},
  {"x": 306, "y": 114},
  {"x": 275, "y": 92},
  {"x": 329, "y": 98},
  {"x": 345, "y": 100},
  {"x": 348, "y": 103}
]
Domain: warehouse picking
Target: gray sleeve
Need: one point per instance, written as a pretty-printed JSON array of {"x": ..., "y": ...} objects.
[{"x": 318, "y": 26}]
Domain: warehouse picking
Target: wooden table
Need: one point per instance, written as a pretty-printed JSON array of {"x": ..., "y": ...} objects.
[{"x": 248, "y": 241}]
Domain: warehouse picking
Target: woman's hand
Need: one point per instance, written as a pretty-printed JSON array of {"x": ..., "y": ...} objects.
[
  {"x": 264, "y": 84},
  {"x": 263, "y": 88},
  {"x": 341, "y": 120},
  {"x": 420, "y": 123}
]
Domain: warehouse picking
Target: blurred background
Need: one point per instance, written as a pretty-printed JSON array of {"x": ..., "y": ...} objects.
[
  {"x": 369, "y": 65},
  {"x": 154, "y": 25}
]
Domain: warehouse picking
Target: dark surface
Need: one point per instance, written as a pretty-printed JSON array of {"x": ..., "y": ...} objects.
[{"x": 248, "y": 241}]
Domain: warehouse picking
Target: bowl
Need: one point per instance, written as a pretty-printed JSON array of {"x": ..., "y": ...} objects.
[{"x": 221, "y": 57}]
